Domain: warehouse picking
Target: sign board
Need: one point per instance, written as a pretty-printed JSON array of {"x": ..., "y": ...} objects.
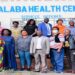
[{"x": 23, "y": 10}]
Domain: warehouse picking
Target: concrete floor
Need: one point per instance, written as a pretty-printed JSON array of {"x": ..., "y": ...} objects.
[{"x": 31, "y": 73}]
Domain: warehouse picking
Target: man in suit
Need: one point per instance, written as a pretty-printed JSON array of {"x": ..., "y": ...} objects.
[{"x": 40, "y": 48}]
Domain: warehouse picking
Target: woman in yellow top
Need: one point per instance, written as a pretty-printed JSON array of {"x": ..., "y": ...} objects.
[{"x": 16, "y": 29}]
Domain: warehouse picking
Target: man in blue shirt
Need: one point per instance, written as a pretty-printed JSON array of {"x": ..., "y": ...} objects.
[{"x": 45, "y": 27}]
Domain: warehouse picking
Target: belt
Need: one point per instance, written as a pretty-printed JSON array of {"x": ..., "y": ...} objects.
[
  {"x": 38, "y": 49},
  {"x": 48, "y": 35}
]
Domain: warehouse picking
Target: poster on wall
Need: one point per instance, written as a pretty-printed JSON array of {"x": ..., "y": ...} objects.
[{"x": 22, "y": 10}]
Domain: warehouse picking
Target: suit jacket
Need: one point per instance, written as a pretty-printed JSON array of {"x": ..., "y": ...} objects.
[{"x": 45, "y": 45}]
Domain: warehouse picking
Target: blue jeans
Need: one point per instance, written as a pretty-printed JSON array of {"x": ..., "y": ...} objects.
[
  {"x": 25, "y": 58},
  {"x": 52, "y": 57},
  {"x": 58, "y": 60}
]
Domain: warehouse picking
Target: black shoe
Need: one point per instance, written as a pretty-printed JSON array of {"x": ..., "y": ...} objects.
[
  {"x": 6, "y": 68},
  {"x": 22, "y": 69},
  {"x": 28, "y": 69},
  {"x": 15, "y": 69}
]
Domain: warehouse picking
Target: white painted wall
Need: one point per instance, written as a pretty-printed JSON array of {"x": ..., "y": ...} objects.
[{"x": 6, "y": 18}]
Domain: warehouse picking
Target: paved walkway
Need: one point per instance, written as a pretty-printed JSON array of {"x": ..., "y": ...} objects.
[{"x": 31, "y": 73}]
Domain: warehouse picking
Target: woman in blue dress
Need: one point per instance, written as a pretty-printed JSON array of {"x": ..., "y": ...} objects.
[{"x": 9, "y": 50}]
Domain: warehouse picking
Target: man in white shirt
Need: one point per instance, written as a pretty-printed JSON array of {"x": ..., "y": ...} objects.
[
  {"x": 40, "y": 48},
  {"x": 39, "y": 41}
]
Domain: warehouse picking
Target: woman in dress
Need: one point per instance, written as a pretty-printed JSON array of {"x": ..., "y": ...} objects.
[{"x": 9, "y": 50}]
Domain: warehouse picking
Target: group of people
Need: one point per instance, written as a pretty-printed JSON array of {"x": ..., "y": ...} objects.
[{"x": 39, "y": 41}]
